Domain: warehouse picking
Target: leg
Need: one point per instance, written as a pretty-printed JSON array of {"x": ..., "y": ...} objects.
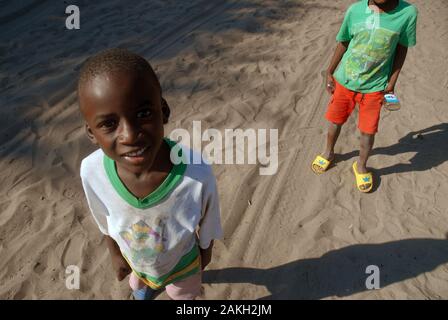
[
  {"x": 332, "y": 136},
  {"x": 339, "y": 109},
  {"x": 140, "y": 290},
  {"x": 369, "y": 116},
  {"x": 188, "y": 289},
  {"x": 321, "y": 165},
  {"x": 367, "y": 141}
]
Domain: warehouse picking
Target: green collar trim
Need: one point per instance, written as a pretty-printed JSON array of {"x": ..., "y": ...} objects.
[{"x": 170, "y": 182}]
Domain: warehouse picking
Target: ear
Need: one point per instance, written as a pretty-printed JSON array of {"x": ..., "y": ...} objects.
[
  {"x": 165, "y": 111},
  {"x": 90, "y": 135}
]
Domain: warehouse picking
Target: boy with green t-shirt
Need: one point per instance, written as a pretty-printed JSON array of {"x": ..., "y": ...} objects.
[{"x": 371, "y": 50}]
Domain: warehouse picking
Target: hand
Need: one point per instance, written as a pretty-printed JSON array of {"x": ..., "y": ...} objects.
[
  {"x": 330, "y": 85},
  {"x": 389, "y": 89},
  {"x": 121, "y": 266}
]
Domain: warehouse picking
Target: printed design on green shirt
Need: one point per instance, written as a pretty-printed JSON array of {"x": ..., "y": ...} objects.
[
  {"x": 144, "y": 242},
  {"x": 369, "y": 52}
]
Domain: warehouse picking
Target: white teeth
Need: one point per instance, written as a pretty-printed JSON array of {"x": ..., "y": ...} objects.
[{"x": 136, "y": 153}]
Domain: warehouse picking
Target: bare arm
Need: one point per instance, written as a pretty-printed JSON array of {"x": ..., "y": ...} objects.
[
  {"x": 120, "y": 265},
  {"x": 337, "y": 56},
  {"x": 400, "y": 57}
]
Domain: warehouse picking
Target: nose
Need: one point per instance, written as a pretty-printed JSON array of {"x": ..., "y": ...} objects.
[{"x": 128, "y": 133}]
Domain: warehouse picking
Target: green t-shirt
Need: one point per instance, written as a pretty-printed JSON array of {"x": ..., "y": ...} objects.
[{"x": 367, "y": 63}]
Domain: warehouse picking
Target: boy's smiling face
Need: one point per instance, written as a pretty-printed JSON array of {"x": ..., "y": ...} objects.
[{"x": 124, "y": 116}]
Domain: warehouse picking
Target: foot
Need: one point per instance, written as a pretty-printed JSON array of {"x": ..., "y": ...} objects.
[
  {"x": 364, "y": 180},
  {"x": 321, "y": 164},
  {"x": 328, "y": 155},
  {"x": 361, "y": 167}
]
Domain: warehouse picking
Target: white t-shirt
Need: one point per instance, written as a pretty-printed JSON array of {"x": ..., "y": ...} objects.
[{"x": 158, "y": 235}]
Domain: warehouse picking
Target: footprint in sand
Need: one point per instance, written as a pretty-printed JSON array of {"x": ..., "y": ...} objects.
[
  {"x": 325, "y": 230},
  {"x": 368, "y": 219},
  {"x": 39, "y": 267},
  {"x": 72, "y": 253}
]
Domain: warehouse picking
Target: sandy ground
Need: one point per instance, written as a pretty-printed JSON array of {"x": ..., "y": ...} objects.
[{"x": 230, "y": 64}]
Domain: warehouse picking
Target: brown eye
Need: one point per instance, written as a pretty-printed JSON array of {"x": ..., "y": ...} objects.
[{"x": 108, "y": 124}]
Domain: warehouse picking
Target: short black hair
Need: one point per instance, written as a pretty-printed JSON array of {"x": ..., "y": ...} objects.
[{"x": 113, "y": 60}]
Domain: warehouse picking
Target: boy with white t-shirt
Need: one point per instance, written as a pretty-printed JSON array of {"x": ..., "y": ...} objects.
[{"x": 159, "y": 218}]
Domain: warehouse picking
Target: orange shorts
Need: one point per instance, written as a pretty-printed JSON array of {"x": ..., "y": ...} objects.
[{"x": 343, "y": 102}]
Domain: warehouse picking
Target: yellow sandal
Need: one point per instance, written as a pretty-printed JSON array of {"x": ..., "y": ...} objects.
[
  {"x": 320, "y": 165},
  {"x": 364, "y": 181}
]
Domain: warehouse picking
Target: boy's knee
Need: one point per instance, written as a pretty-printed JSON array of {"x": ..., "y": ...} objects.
[
  {"x": 367, "y": 135},
  {"x": 338, "y": 125},
  {"x": 335, "y": 125}
]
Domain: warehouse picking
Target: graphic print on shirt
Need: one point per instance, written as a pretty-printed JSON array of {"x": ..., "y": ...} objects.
[
  {"x": 370, "y": 50},
  {"x": 144, "y": 241}
]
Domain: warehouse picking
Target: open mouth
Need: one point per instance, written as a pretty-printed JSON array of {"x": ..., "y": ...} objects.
[{"x": 136, "y": 153}]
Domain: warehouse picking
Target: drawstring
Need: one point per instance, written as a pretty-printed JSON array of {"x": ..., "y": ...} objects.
[{"x": 362, "y": 96}]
